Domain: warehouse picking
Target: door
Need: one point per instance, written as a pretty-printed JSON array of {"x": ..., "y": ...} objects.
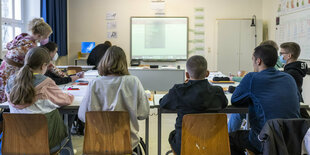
[{"x": 235, "y": 46}]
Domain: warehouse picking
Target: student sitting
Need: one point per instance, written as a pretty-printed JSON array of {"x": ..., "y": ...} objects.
[
  {"x": 268, "y": 93},
  {"x": 53, "y": 72},
  {"x": 195, "y": 96},
  {"x": 290, "y": 52},
  {"x": 116, "y": 90},
  {"x": 97, "y": 53},
  {"x": 235, "y": 120},
  {"x": 32, "y": 92}
]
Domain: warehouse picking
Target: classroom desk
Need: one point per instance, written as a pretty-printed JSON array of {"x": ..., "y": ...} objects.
[
  {"x": 74, "y": 108},
  {"x": 85, "y": 68},
  {"x": 229, "y": 109},
  {"x": 80, "y": 59}
]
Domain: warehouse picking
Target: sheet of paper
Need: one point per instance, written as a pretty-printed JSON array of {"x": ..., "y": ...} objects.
[
  {"x": 157, "y": 97},
  {"x": 111, "y": 25},
  {"x": 111, "y": 15},
  {"x": 112, "y": 34}
]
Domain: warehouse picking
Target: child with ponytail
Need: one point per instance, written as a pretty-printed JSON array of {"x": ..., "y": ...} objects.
[
  {"x": 29, "y": 91},
  {"x": 17, "y": 49}
]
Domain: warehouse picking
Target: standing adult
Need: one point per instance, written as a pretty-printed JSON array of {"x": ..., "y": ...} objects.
[{"x": 17, "y": 49}]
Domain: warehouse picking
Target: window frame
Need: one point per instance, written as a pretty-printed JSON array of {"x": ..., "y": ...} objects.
[{"x": 13, "y": 22}]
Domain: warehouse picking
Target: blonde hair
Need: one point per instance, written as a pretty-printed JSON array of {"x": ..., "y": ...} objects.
[
  {"x": 270, "y": 42},
  {"x": 23, "y": 91},
  {"x": 39, "y": 26},
  {"x": 113, "y": 62}
]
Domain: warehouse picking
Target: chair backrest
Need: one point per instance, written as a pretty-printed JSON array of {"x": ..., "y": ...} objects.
[
  {"x": 73, "y": 70},
  {"x": 205, "y": 134},
  {"x": 107, "y": 132},
  {"x": 25, "y": 134}
]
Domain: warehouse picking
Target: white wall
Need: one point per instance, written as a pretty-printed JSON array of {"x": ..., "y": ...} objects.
[
  {"x": 269, "y": 18},
  {"x": 87, "y": 19}
]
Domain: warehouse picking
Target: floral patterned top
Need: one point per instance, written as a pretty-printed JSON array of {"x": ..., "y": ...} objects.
[{"x": 14, "y": 59}]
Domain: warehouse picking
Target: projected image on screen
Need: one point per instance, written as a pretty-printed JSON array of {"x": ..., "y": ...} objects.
[
  {"x": 155, "y": 35},
  {"x": 159, "y": 38}
]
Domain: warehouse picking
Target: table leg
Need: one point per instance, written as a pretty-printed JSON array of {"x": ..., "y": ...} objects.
[
  {"x": 159, "y": 132},
  {"x": 247, "y": 121},
  {"x": 66, "y": 120},
  {"x": 147, "y": 135}
]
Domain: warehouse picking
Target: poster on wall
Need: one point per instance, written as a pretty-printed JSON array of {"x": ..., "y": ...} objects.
[
  {"x": 111, "y": 24},
  {"x": 291, "y": 6},
  {"x": 199, "y": 32},
  {"x": 110, "y": 16},
  {"x": 158, "y": 6},
  {"x": 112, "y": 35}
]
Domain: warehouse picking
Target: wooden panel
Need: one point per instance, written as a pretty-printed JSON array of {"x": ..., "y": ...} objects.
[
  {"x": 25, "y": 134},
  {"x": 107, "y": 132},
  {"x": 205, "y": 134}
]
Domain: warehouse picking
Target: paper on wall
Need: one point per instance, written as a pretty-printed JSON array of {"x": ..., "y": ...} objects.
[
  {"x": 111, "y": 24},
  {"x": 112, "y": 35},
  {"x": 111, "y": 15}
]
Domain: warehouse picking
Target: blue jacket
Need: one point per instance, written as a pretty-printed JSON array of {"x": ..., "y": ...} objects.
[{"x": 269, "y": 94}]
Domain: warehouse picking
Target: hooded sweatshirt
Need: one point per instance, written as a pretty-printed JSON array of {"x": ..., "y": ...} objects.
[
  {"x": 297, "y": 70},
  {"x": 195, "y": 96}
]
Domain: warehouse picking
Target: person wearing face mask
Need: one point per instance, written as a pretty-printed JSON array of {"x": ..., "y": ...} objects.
[
  {"x": 269, "y": 94},
  {"x": 289, "y": 54},
  {"x": 17, "y": 49},
  {"x": 235, "y": 120},
  {"x": 53, "y": 72}
]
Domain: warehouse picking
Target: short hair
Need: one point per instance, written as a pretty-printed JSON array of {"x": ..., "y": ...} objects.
[
  {"x": 292, "y": 48},
  {"x": 197, "y": 66},
  {"x": 267, "y": 53},
  {"x": 50, "y": 46},
  {"x": 270, "y": 42},
  {"x": 113, "y": 62}
]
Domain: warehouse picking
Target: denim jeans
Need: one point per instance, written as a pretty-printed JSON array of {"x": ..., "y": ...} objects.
[{"x": 235, "y": 122}]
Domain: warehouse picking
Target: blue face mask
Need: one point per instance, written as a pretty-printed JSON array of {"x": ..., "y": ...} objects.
[{"x": 282, "y": 59}]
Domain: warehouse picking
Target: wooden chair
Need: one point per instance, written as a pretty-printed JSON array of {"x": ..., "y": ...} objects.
[
  {"x": 25, "y": 134},
  {"x": 73, "y": 70},
  {"x": 205, "y": 134},
  {"x": 107, "y": 132}
]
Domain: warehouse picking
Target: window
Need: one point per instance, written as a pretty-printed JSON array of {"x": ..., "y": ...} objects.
[{"x": 12, "y": 20}]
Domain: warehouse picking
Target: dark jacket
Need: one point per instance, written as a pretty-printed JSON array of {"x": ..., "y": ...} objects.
[
  {"x": 96, "y": 54},
  {"x": 58, "y": 80},
  {"x": 269, "y": 94},
  {"x": 197, "y": 96},
  {"x": 284, "y": 136},
  {"x": 297, "y": 70}
]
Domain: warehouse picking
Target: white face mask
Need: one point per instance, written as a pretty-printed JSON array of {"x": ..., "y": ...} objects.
[{"x": 55, "y": 57}]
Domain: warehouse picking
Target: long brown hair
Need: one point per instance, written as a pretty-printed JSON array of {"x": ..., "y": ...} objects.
[
  {"x": 23, "y": 91},
  {"x": 113, "y": 62}
]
